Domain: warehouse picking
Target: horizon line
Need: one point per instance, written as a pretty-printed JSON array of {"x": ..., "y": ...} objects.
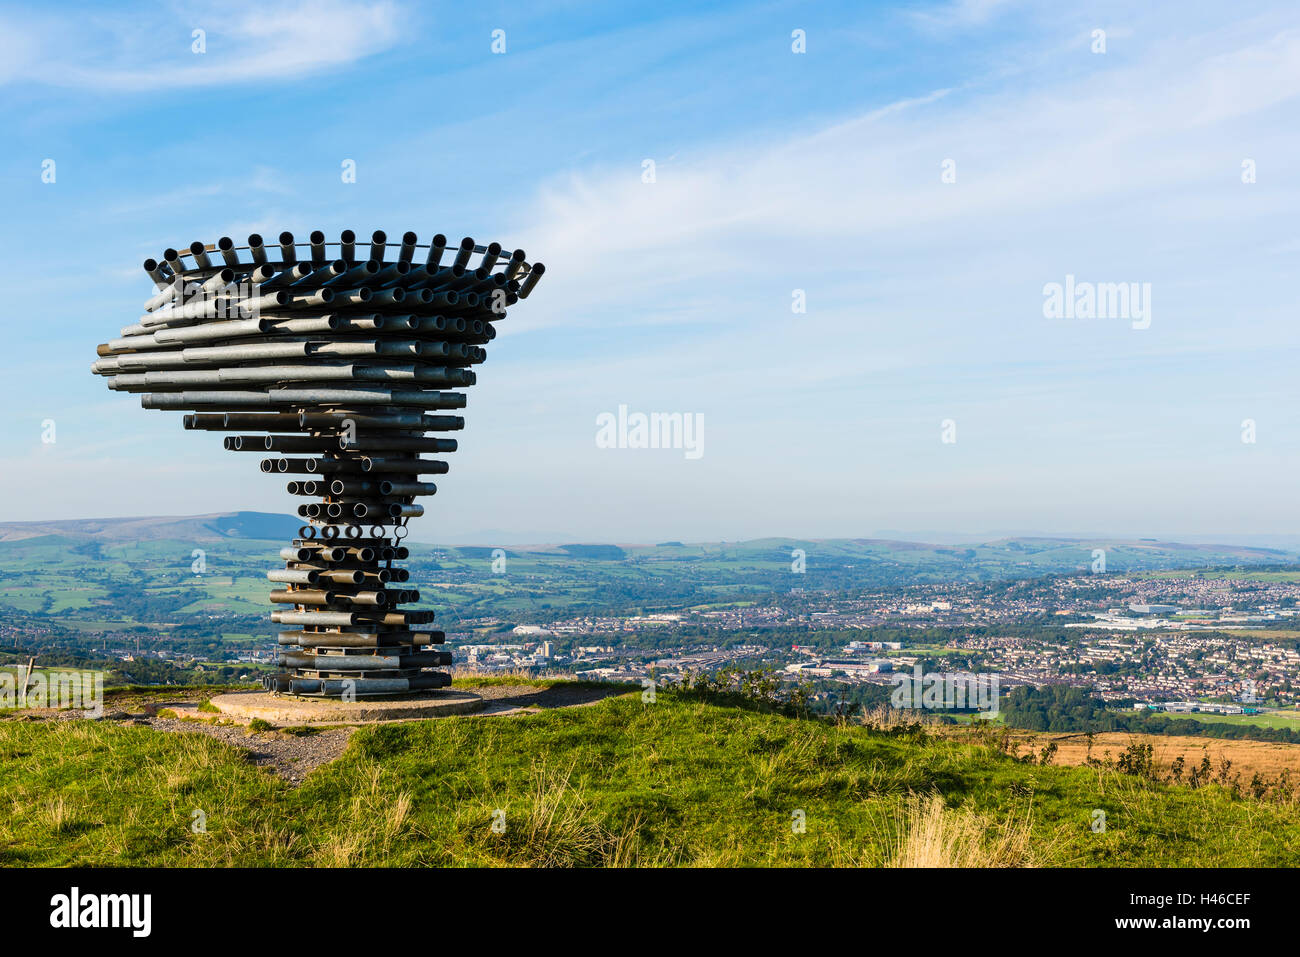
[{"x": 976, "y": 539}]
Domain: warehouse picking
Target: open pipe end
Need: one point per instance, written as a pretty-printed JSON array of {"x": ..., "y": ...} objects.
[{"x": 534, "y": 276}]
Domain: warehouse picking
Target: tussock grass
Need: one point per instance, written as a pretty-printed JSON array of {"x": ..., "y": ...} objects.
[
  {"x": 469, "y": 677},
  {"x": 55, "y": 815},
  {"x": 932, "y": 835}
]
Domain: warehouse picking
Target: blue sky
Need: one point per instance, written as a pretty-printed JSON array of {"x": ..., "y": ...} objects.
[{"x": 775, "y": 171}]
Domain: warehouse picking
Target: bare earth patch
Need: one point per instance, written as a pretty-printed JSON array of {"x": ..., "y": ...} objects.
[{"x": 291, "y": 756}]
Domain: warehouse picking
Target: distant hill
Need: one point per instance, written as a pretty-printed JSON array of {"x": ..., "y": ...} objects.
[
  {"x": 191, "y": 528},
  {"x": 600, "y": 553},
  {"x": 1009, "y": 557}
]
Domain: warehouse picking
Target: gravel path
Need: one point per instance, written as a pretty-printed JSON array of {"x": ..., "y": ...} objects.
[{"x": 291, "y": 756}]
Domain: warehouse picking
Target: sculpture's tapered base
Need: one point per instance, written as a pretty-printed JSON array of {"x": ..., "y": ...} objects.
[{"x": 350, "y": 638}]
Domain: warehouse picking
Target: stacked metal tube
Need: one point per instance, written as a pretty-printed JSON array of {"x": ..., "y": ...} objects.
[{"x": 337, "y": 359}]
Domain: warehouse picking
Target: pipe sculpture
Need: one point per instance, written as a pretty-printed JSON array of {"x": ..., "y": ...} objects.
[{"x": 339, "y": 358}]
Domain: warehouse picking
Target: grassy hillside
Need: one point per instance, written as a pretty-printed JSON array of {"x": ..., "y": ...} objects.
[
  {"x": 677, "y": 782},
  {"x": 123, "y": 574}
]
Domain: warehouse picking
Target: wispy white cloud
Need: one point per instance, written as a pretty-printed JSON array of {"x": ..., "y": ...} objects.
[
  {"x": 827, "y": 198},
  {"x": 245, "y": 42},
  {"x": 959, "y": 14}
]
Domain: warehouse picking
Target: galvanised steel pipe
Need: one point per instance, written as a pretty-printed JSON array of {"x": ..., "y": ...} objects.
[
  {"x": 351, "y": 637},
  {"x": 295, "y": 576},
  {"x": 340, "y": 576},
  {"x": 374, "y": 662},
  {"x": 436, "y": 249},
  {"x": 156, "y": 273},
  {"x": 272, "y": 398},
  {"x": 167, "y": 292},
  {"x": 410, "y": 488},
  {"x": 173, "y": 260},
  {"x": 308, "y": 345},
  {"x": 408, "y": 247},
  {"x": 371, "y": 443},
  {"x": 291, "y": 276},
  {"x": 355, "y": 276},
  {"x": 534, "y": 276},
  {"x": 515, "y": 264},
  {"x": 317, "y": 239},
  {"x": 431, "y": 375},
  {"x": 428, "y": 423},
  {"x": 323, "y": 275},
  {"x": 226, "y": 246},
  {"x": 422, "y": 681}
]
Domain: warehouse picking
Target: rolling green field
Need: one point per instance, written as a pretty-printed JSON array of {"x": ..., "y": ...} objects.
[
  {"x": 1276, "y": 719},
  {"x": 682, "y": 781}
]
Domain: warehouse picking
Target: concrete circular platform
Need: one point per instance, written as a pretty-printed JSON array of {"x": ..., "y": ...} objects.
[{"x": 286, "y": 710}]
